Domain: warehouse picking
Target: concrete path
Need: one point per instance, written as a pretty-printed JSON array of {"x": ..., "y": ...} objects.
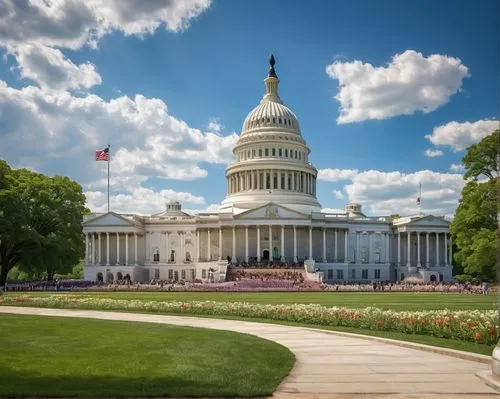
[{"x": 332, "y": 366}]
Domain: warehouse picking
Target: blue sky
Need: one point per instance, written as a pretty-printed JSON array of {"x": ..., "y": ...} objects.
[{"x": 150, "y": 80}]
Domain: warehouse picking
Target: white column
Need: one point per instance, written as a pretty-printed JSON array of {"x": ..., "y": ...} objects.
[
  {"x": 270, "y": 242},
  {"x": 93, "y": 249},
  {"x": 167, "y": 246},
  {"x": 258, "y": 243},
  {"x": 437, "y": 250},
  {"x": 87, "y": 248},
  {"x": 182, "y": 256},
  {"x": 450, "y": 258},
  {"x": 294, "y": 243},
  {"x": 388, "y": 248},
  {"x": 335, "y": 253},
  {"x": 117, "y": 248},
  {"x": 370, "y": 247},
  {"x": 427, "y": 263},
  {"x": 220, "y": 242},
  {"x": 209, "y": 246},
  {"x": 135, "y": 253},
  {"x": 246, "y": 243},
  {"x": 358, "y": 247},
  {"x": 408, "y": 249},
  {"x": 399, "y": 249},
  {"x": 147, "y": 239},
  {"x": 282, "y": 243},
  {"x": 445, "y": 249},
  {"x": 418, "y": 249},
  {"x": 324, "y": 244},
  {"x": 234, "y": 245},
  {"x": 197, "y": 245},
  {"x": 126, "y": 249},
  {"x": 99, "y": 252},
  {"x": 107, "y": 248},
  {"x": 346, "y": 242},
  {"x": 310, "y": 242}
]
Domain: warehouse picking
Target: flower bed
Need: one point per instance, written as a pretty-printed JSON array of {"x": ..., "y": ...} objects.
[{"x": 476, "y": 326}]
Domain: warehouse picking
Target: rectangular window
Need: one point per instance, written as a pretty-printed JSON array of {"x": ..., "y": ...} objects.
[
  {"x": 353, "y": 274},
  {"x": 204, "y": 273},
  {"x": 193, "y": 274},
  {"x": 157, "y": 274},
  {"x": 376, "y": 274},
  {"x": 183, "y": 274},
  {"x": 280, "y": 152},
  {"x": 330, "y": 274},
  {"x": 364, "y": 274},
  {"x": 340, "y": 274},
  {"x": 170, "y": 274}
]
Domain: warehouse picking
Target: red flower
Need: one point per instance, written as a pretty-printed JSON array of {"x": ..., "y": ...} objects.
[
  {"x": 493, "y": 331},
  {"x": 477, "y": 336}
]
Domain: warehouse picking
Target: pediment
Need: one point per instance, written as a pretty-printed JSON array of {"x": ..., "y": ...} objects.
[
  {"x": 272, "y": 211},
  {"x": 427, "y": 221},
  {"x": 109, "y": 219}
]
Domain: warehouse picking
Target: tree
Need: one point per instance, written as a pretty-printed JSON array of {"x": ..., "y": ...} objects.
[
  {"x": 475, "y": 225},
  {"x": 482, "y": 158},
  {"x": 40, "y": 222}
]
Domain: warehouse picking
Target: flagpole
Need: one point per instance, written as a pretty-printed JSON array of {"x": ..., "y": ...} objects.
[
  {"x": 420, "y": 196},
  {"x": 109, "y": 158}
]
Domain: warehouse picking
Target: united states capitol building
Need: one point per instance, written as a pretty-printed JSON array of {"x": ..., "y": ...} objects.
[{"x": 270, "y": 216}]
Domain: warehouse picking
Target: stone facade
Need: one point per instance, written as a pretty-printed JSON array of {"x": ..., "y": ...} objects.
[{"x": 270, "y": 213}]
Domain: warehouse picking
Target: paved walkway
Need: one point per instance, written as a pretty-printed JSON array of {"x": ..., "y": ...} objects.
[{"x": 332, "y": 366}]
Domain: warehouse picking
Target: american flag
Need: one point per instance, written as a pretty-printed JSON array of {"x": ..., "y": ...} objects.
[{"x": 102, "y": 155}]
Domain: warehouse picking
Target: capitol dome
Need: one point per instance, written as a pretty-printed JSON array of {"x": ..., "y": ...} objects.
[
  {"x": 271, "y": 113},
  {"x": 271, "y": 158}
]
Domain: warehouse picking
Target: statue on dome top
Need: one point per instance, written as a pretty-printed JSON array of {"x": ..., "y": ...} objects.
[{"x": 272, "y": 72}]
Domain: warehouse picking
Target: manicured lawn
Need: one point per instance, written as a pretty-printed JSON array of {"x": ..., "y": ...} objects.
[
  {"x": 385, "y": 300},
  {"x": 50, "y": 356}
]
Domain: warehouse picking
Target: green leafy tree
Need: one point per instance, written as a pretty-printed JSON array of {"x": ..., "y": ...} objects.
[
  {"x": 474, "y": 227},
  {"x": 40, "y": 222}
]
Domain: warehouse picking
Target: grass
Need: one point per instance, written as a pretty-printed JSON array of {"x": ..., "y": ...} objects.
[
  {"x": 50, "y": 356},
  {"x": 386, "y": 300}
]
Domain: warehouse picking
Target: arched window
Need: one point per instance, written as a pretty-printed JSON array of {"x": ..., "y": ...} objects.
[
  {"x": 266, "y": 152},
  {"x": 274, "y": 152},
  {"x": 279, "y": 121},
  {"x": 280, "y": 152},
  {"x": 274, "y": 119},
  {"x": 286, "y": 153},
  {"x": 260, "y": 152},
  {"x": 156, "y": 255},
  {"x": 253, "y": 153}
]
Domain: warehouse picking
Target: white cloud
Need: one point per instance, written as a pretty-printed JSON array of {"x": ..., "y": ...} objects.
[
  {"x": 385, "y": 193},
  {"x": 139, "y": 200},
  {"x": 457, "y": 167},
  {"x": 433, "y": 153},
  {"x": 409, "y": 83},
  {"x": 33, "y": 30},
  {"x": 215, "y": 125},
  {"x": 338, "y": 194},
  {"x": 336, "y": 174},
  {"x": 51, "y": 70},
  {"x": 73, "y": 24},
  {"x": 56, "y": 131},
  {"x": 459, "y": 136}
]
